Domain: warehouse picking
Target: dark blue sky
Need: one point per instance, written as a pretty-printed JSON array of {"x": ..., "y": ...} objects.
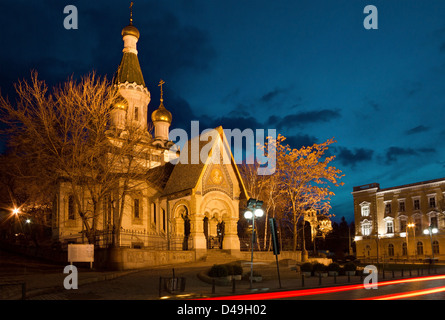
[{"x": 306, "y": 68}]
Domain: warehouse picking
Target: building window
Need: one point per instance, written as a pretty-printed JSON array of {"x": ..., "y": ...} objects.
[
  {"x": 418, "y": 224},
  {"x": 432, "y": 202},
  {"x": 416, "y": 204},
  {"x": 153, "y": 213},
  {"x": 136, "y": 208},
  {"x": 365, "y": 209},
  {"x": 391, "y": 250},
  {"x": 402, "y": 225},
  {"x": 71, "y": 207},
  {"x": 389, "y": 226},
  {"x": 404, "y": 249},
  {"x": 433, "y": 221},
  {"x": 402, "y": 206},
  {"x": 388, "y": 208},
  {"x": 435, "y": 247},
  {"x": 419, "y": 248},
  {"x": 163, "y": 220},
  {"x": 136, "y": 113},
  {"x": 366, "y": 228}
]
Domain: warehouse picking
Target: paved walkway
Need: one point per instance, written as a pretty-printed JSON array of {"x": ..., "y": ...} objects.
[{"x": 46, "y": 281}]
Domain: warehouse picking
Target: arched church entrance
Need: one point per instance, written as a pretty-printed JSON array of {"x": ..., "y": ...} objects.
[
  {"x": 213, "y": 232},
  {"x": 220, "y": 222}
]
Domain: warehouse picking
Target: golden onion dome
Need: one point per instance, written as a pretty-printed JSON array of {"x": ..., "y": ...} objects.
[
  {"x": 130, "y": 30},
  {"x": 120, "y": 103},
  {"x": 161, "y": 114}
]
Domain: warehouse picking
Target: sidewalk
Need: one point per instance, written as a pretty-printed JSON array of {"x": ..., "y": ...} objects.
[{"x": 145, "y": 283}]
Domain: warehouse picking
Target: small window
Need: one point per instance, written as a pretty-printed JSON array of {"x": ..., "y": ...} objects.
[
  {"x": 136, "y": 113},
  {"x": 388, "y": 208},
  {"x": 436, "y": 247},
  {"x": 433, "y": 221},
  {"x": 402, "y": 225},
  {"x": 416, "y": 204},
  {"x": 419, "y": 248},
  {"x": 163, "y": 220},
  {"x": 153, "y": 213},
  {"x": 391, "y": 250},
  {"x": 366, "y": 228},
  {"x": 136, "y": 208},
  {"x": 71, "y": 208},
  {"x": 404, "y": 249},
  {"x": 389, "y": 227},
  {"x": 365, "y": 210},
  {"x": 402, "y": 206},
  {"x": 432, "y": 202}
]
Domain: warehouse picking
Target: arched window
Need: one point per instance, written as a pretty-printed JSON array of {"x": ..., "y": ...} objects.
[
  {"x": 366, "y": 226},
  {"x": 436, "y": 247},
  {"x": 404, "y": 249},
  {"x": 419, "y": 248},
  {"x": 391, "y": 250}
]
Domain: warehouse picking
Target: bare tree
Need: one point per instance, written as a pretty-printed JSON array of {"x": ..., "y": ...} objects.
[{"x": 66, "y": 134}]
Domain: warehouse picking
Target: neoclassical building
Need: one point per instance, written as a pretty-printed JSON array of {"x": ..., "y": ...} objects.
[
  {"x": 395, "y": 223},
  {"x": 182, "y": 207}
]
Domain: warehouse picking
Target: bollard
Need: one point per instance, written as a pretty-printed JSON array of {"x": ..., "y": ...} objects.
[
  {"x": 302, "y": 280},
  {"x": 319, "y": 279},
  {"x": 402, "y": 272},
  {"x": 410, "y": 273},
  {"x": 213, "y": 286},
  {"x": 349, "y": 277},
  {"x": 335, "y": 277},
  {"x": 393, "y": 274}
]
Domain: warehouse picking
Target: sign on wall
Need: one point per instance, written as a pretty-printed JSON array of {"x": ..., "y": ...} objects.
[{"x": 81, "y": 253}]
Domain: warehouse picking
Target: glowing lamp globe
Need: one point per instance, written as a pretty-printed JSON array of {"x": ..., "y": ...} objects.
[{"x": 259, "y": 212}]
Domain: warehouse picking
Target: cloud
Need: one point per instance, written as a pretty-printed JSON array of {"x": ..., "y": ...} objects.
[
  {"x": 300, "y": 140},
  {"x": 272, "y": 94},
  {"x": 304, "y": 118},
  {"x": 416, "y": 130},
  {"x": 394, "y": 154},
  {"x": 348, "y": 157}
]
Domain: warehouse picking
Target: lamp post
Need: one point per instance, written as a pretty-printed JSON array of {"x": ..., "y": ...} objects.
[
  {"x": 431, "y": 230},
  {"x": 253, "y": 210}
]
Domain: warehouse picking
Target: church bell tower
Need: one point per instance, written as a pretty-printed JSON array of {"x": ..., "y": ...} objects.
[{"x": 131, "y": 108}]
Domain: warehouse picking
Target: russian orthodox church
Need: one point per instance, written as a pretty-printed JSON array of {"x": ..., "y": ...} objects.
[{"x": 179, "y": 206}]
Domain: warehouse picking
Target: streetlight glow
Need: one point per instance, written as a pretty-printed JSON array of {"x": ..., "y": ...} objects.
[
  {"x": 248, "y": 215},
  {"x": 15, "y": 211},
  {"x": 259, "y": 213}
]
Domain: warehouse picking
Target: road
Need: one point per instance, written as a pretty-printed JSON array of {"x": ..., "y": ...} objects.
[{"x": 430, "y": 287}]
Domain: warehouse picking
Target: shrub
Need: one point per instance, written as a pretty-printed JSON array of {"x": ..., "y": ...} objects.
[
  {"x": 334, "y": 267},
  {"x": 219, "y": 270},
  {"x": 237, "y": 269},
  {"x": 319, "y": 267},
  {"x": 350, "y": 266},
  {"x": 306, "y": 267},
  {"x": 230, "y": 270}
]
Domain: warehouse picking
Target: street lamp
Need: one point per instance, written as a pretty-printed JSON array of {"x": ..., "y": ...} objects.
[
  {"x": 431, "y": 230},
  {"x": 254, "y": 210}
]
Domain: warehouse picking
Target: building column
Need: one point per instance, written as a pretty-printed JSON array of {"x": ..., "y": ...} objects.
[
  {"x": 197, "y": 234},
  {"x": 231, "y": 241}
]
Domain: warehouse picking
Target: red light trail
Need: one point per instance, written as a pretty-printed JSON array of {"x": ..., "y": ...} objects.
[{"x": 316, "y": 291}]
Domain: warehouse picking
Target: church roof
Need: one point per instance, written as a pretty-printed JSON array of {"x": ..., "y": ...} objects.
[
  {"x": 185, "y": 176},
  {"x": 129, "y": 70}
]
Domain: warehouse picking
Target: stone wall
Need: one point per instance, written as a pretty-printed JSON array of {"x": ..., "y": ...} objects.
[{"x": 127, "y": 259}]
